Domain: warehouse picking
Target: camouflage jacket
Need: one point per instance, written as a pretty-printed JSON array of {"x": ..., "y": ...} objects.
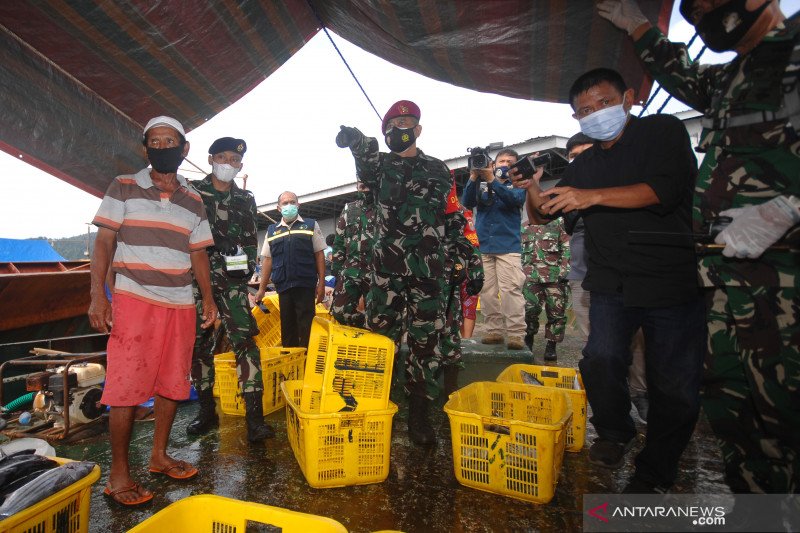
[
  {"x": 410, "y": 194},
  {"x": 545, "y": 251},
  {"x": 232, "y": 217},
  {"x": 460, "y": 251},
  {"x": 352, "y": 246},
  {"x": 743, "y": 165}
]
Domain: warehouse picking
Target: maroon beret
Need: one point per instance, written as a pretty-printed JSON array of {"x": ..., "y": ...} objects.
[{"x": 399, "y": 109}]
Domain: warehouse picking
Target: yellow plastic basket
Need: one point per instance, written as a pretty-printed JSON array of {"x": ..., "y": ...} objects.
[
  {"x": 277, "y": 365},
  {"x": 65, "y": 511},
  {"x": 562, "y": 378},
  {"x": 227, "y": 359},
  {"x": 348, "y": 369},
  {"x": 269, "y": 322},
  {"x": 338, "y": 449},
  {"x": 509, "y": 439},
  {"x": 206, "y": 512}
]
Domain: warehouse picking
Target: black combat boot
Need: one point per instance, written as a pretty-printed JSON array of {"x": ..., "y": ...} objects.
[
  {"x": 529, "y": 341},
  {"x": 420, "y": 430},
  {"x": 550, "y": 351},
  {"x": 207, "y": 418},
  {"x": 450, "y": 379},
  {"x": 257, "y": 430}
]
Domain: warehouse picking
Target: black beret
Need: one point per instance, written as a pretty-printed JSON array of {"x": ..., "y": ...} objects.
[{"x": 228, "y": 144}]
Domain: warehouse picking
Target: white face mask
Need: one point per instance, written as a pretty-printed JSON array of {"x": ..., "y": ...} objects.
[
  {"x": 223, "y": 171},
  {"x": 605, "y": 124}
]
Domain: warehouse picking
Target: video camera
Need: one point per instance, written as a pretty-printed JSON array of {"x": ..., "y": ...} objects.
[{"x": 478, "y": 158}]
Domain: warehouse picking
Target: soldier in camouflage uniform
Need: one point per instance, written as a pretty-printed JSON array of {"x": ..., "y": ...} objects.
[
  {"x": 410, "y": 190},
  {"x": 751, "y": 172},
  {"x": 462, "y": 264},
  {"x": 352, "y": 259},
  {"x": 545, "y": 261},
  {"x": 231, "y": 214}
]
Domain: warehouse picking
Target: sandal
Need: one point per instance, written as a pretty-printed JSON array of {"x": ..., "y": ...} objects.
[
  {"x": 186, "y": 470},
  {"x": 114, "y": 495}
]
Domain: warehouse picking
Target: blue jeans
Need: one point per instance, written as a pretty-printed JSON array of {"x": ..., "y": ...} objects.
[{"x": 675, "y": 342}]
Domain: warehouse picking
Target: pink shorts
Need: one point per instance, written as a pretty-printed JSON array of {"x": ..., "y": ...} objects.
[
  {"x": 149, "y": 352},
  {"x": 469, "y": 304}
]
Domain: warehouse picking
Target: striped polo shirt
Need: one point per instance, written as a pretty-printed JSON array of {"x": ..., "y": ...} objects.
[{"x": 156, "y": 232}]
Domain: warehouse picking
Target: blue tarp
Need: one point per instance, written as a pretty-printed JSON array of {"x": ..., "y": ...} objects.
[{"x": 25, "y": 250}]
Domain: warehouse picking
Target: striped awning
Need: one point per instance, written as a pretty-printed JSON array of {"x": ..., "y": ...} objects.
[{"x": 81, "y": 77}]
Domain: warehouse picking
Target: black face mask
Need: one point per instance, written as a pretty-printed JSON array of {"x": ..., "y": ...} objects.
[
  {"x": 724, "y": 27},
  {"x": 399, "y": 140},
  {"x": 165, "y": 160}
]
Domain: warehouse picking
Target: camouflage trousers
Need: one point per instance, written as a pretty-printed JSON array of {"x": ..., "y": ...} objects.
[
  {"x": 553, "y": 297},
  {"x": 346, "y": 297},
  {"x": 240, "y": 326},
  {"x": 453, "y": 318},
  {"x": 390, "y": 299},
  {"x": 751, "y": 385}
]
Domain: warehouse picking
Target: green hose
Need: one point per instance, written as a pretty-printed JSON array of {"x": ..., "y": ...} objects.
[{"x": 19, "y": 402}]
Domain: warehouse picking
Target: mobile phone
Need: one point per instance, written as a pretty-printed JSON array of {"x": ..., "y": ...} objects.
[{"x": 527, "y": 166}]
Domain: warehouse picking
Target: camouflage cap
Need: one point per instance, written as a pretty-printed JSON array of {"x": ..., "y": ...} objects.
[
  {"x": 228, "y": 144},
  {"x": 400, "y": 109}
]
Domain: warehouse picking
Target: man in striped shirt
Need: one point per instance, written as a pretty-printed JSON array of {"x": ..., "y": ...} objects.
[{"x": 154, "y": 226}]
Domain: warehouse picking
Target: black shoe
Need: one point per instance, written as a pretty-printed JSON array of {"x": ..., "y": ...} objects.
[
  {"x": 257, "y": 430},
  {"x": 550, "y": 351},
  {"x": 529, "y": 341},
  {"x": 608, "y": 454},
  {"x": 638, "y": 486},
  {"x": 420, "y": 430},
  {"x": 207, "y": 418}
]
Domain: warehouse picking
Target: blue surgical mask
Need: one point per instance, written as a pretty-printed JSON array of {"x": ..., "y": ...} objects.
[
  {"x": 605, "y": 124},
  {"x": 289, "y": 211}
]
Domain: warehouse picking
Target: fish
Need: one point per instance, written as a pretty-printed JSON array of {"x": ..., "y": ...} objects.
[
  {"x": 529, "y": 378},
  {"x": 45, "y": 485},
  {"x": 4, "y": 456},
  {"x": 17, "y": 483},
  {"x": 21, "y": 465}
]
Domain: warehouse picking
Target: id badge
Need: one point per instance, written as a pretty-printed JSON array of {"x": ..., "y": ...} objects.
[{"x": 235, "y": 263}]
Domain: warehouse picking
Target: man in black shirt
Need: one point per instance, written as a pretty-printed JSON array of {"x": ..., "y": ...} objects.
[{"x": 638, "y": 177}]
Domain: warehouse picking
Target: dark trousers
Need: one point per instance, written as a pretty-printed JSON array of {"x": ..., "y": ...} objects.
[
  {"x": 298, "y": 307},
  {"x": 674, "y": 340}
]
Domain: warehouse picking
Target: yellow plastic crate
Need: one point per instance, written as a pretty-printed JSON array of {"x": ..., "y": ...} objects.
[
  {"x": 222, "y": 359},
  {"x": 509, "y": 439},
  {"x": 562, "y": 378},
  {"x": 206, "y": 512},
  {"x": 338, "y": 449},
  {"x": 277, "y": 365},
  {"x": 65, "y": 511},
  {"x": 269, "y": 322},
  {"x": 347, "y": 369}
]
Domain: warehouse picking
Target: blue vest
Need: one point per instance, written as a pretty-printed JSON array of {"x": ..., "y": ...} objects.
[{"x": 292, "y": 250}]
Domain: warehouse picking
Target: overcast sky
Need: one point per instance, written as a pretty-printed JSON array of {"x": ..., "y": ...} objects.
[{"x": 291, "y": 119}]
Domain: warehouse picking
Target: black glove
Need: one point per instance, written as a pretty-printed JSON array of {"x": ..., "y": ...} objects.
[
  {"x": 458, "y": 275},
  {"x": 474, "y": 286},
  {"x": 348, "y": 137}
]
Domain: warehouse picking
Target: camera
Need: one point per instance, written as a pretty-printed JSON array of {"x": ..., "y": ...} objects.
[{"x": 478, "y": 158}]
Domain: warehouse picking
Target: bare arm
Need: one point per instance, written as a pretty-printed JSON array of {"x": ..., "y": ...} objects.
[
  {"x": 202, "y": 274},
  {"x": 266, "y": 272},
  {"x": 568, "y": 199},
  {"x": 320, "y": 260},
  {"x": 99, "y": 309}
]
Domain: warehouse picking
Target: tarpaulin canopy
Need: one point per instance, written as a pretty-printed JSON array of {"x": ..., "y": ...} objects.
[
  {"x": 81, "y": 77},
  {"x": 23, "y": 250}
]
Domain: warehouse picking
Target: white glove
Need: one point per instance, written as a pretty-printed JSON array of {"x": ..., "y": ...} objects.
[
  {"x": 624, "y": 14},
  {"x": 756, "y": 227}
]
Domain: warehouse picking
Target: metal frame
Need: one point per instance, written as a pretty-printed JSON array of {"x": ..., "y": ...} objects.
[{"x": 35, "y": 360}]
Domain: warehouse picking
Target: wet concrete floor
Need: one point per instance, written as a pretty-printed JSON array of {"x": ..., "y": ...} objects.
[{"x": 421, "y": 493}]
